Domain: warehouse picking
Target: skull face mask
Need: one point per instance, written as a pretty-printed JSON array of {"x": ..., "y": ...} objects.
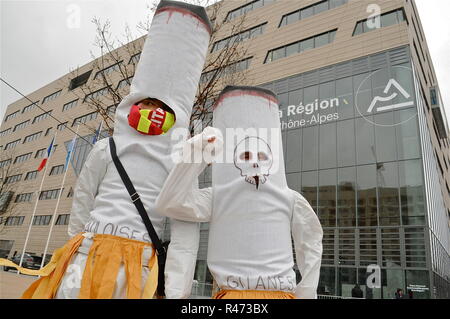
[{"x": 253, "y": 157}]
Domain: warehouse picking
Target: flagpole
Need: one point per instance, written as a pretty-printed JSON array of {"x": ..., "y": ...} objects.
[
  {"x": 37, "y": 200},
  {"x": 52, "y": 223}
]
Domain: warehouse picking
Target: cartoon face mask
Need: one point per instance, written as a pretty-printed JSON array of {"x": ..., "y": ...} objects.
[{"x": 149, "y": 122}]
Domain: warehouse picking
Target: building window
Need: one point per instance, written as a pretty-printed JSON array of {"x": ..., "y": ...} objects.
[
  {"x": 69, "y": 105},
  {"x": 62, "y": 126},
  {"x": 56, "y": 170},
  {"x": 387, "y": 19},
  {"x": 40, "y": 153},
  {"x": 63, "y": 219},
  {"x": 48, "y": 131},
  {"x": 42, "y": 220},
  {"x": 13, "y": 179},
  {"x": 5, "y": 163},
  {"x": 49, "y": 194},
  {"x": 247, "y": 8},
  {"x": 96, "y": 94},
  {"x": 85, "y": 118},
  {"x": 14, "y": 221},
  {"x": 30, "y": 107},
  {"x": 108, "y": 70},
  {"x": 51, "y": 96},
  {"x": 135, "y": 58},
  {"x": 125, "y": 82},
  {"x": 11, "y": 116},
  {"x": 41, "y": 117},
  {"x": 229, "y": 69},
  {"x": 21, "y": 125},
  {"x": 111, "y": 110},
  {"x": 22, "y": 158},
  {"x": 26, "y": 197},
  {"x": 70, "y": 193},
  {"x": 31, "y": 175},
  {"x": 301, "y": 46},
  {"x": 310, "y": 11},
  {"x": 12, "y": 144},
  {"x": 79, "y": 80},
  {"x": 244, "y": 35},
  {"x": 32, "y": 137},
  {"x": 5, "y": 132}
]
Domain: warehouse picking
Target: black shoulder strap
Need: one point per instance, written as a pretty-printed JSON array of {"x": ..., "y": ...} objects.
[{"x": 136, "y": 199}]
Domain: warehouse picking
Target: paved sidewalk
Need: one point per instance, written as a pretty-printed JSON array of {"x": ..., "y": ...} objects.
[{"x": 13, "y": 285}]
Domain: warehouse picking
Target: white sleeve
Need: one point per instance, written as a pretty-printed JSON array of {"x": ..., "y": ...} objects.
[
  {"x": 86, "y": 188},
  {"x": 307, "y": 234},
  {"x": 181, "y": 258},
  {"x": 180, "y": 197}
]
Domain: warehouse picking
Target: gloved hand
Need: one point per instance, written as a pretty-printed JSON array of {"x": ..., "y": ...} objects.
[{"x": 203, "y": 147}]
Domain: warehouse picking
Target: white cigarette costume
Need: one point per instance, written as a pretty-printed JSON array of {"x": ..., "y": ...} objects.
[
  {"x": 169, "y": 70},
  {"x": 251, "y": 210}
]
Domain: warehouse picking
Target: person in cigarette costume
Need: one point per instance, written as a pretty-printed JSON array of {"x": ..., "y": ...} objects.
[
  {"x": 110, "y": 253},
  {"x": 251, "y": 211}
]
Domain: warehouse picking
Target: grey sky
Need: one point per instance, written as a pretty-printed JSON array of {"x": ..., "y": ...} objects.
[{"x": 40, "y": 41}]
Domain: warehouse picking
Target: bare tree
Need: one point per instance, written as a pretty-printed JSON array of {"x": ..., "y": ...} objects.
[
  {"x": 8, "y": 189},
  {"x": 121, "y": 57}
]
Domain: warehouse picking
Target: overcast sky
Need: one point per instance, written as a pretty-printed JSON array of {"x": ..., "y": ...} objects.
[{"x": 41, "y": 41}]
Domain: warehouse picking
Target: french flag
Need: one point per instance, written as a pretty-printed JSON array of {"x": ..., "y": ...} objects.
[{"x": 47, "y": 155}]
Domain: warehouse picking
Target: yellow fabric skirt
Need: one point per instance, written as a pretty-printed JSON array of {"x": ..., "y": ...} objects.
[
  {"x": 106, "y": 254},
  {"x": 253, "y": 294}
]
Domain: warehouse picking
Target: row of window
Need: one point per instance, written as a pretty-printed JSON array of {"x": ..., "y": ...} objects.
[
  {"x": 32, "y": 137},
  {"x": 56, "y": 170},
  {"x": 13, "y": 179},
  {"x": 22, "y": 158},
  {"x": 41, "y": 117},
  {"x": 242, "y": 36},
  {"x": 11, "y": 116},
  {"x": 25, "y": 197},
  {"x": 51, "y": 96},
  {"x": 232, "y": 68},
  {"x": 39, "y": 154},
  {"x": 5, "y": 163},
  {"x": 96, "y": 94},
  {"x": 12, "y": 144},
  {"x": 49, "y": 194},
  {"x": 5, "y": 132},
  {"x": 62, "y": 126},
  {"x": 301, "y": 46},
  {"x": 21, "y": 125},
  {"x": 41, "y": 220},
  {"x": 108, "y": 70},
  {"x": 386, "y": 19},
  {"x": 85, "y": 118},
  {"x": 69, "y": 105},
  {"x": 124, "y": 82},
  {"x": 247, "y": 8},
  {"x": 30, "y": 107},
  {"x": 310, "y": 11}
]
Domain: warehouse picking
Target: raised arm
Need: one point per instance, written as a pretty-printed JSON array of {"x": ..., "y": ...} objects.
[
  {"x": 307, "y": 234},
  {"x": 86, "y": 188},
  {"x": 180, "y": 197}
]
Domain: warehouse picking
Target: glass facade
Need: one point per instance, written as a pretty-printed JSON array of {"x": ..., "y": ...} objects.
[{"x": 362, "y": 172}]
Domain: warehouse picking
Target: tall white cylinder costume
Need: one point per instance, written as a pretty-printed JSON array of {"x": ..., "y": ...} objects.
[
  {"x": 169, "y": 70},
  {"x": 251, "y": 210}
]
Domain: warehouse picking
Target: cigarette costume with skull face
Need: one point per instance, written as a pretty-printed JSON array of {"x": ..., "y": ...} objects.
[
  {"x": 251, "y": 210},
  {"x": 110, "y": 243}
]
